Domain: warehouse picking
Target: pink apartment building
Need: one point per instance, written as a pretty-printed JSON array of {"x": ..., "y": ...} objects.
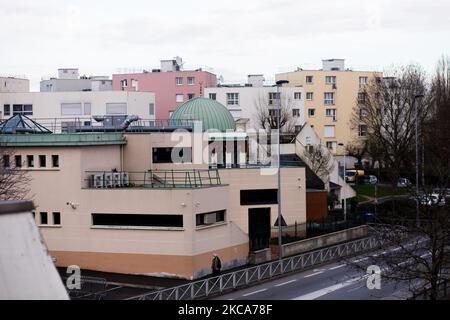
[{"x": 171, "y": 85}]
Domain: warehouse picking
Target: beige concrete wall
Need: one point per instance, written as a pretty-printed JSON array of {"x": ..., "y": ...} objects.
[
  {"x": 293, "y": 196},
  {"x": 8, "y": 84},
  {"x": 346, "y": 94}
]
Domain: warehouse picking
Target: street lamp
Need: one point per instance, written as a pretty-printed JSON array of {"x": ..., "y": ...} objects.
[
  {"x": 417, "y": 97},
  {"x": 280, "y": 247},
  {"x": 345, "y": 176}
]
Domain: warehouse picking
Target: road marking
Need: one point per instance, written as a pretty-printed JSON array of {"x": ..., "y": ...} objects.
[
  {"x": 282, "y": 284},
  {"x": 250, "y": 293},
  {"x": 327, "y": 290},
  {"x": 337, "y": 267},
  {"x": 396, "y": 249},
  {"x": 313, "y": 274},
  {"x": 359, "y": 260}
]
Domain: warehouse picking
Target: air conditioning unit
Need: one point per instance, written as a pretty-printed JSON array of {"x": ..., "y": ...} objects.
[
  {"x": 116, "y": 179},
  {"x": 99, "y": 181},
  {"x": 210, "y": 218},
  {"x": 125, "y": 178},
  {"x": 108, "y": 179}
]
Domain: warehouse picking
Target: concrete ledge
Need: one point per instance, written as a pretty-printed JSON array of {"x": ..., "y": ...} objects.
[
  {"x": 260, "y": 256},
  {"x": 325, "y": 240},
  {"x": 7, "y": 207}
]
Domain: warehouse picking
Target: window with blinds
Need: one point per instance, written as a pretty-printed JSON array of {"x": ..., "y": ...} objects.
[
  {"x": 71, "y": 109},
  {"x": 116, "y": 108}
]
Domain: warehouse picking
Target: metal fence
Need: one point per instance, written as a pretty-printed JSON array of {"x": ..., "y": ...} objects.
[
  {"x": 241, "y": 278},
  {"x": 91, "y": 288}
]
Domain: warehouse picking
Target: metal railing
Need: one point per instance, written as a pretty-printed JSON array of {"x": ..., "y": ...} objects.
[
  {"x": 241, "y": 278},
  {"x": 90, "y": 124},
  {"x": 195, "y": 178},
  {"x": 91, "y": 288}
]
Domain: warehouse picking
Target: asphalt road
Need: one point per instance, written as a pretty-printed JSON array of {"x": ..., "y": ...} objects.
[{"x": 337, "y": 281}]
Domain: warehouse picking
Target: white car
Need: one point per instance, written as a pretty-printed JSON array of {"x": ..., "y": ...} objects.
[
  {"x": 403, "y": 183},
  {"x": 431, "y": 199}
]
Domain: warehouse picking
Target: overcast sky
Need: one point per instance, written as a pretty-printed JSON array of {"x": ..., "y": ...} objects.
[{"x": 235, "y": 38}]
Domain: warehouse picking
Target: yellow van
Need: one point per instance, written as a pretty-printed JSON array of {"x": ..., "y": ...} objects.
[{"x": 352, "y": 175}]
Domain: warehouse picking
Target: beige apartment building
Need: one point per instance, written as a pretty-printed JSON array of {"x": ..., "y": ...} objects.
[
  {"x": 331, "y": 93},
  {"x": 118, "y": 202}
]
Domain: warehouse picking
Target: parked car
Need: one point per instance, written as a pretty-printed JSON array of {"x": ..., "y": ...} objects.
[
  {"x": 403, "y": 183},
  {"x": 364, "y": 215},
  {"x": 352, "y": 175},
  {"x": 367, "y": 179},
  {"x": 432, "y": 199}
]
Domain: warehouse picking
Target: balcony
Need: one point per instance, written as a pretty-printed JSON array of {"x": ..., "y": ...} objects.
[{"x": 153, "y": 179}]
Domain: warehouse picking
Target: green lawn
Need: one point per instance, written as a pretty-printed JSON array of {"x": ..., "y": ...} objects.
[{"x": 368, "y": 190}]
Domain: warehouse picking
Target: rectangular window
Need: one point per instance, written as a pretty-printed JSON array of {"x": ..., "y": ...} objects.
[
  {"x": 123, "y": 84},
  {"x": 309, "y": 96},
  {"x": 57, "y": 218},
  {"x": 151, "y": 109},
  {"x": 6, "y": 161},
  {"x": 311, "y": 113},
  {"x": 361, "y": 97},
  {"x": 328, "y": 98},
  {"x": 191, "y": 96},
  {"x": 363, "y": 80},
  {"x": 42, "y": 161},
  {"x": 330, "y": 113},
  {"x": 87, "y": 108},
  {"x": 6, "y": 109},
  {"x": 30, "y": 161},
  {"x": 296, "y": 112},
  {"x": 297, "y": 95},
  {"x": 44, "y": 217},
  {"x": 362, "y": 113},
  {"x": 272, "y": 113},
  {"x": 55, "y": 161},
  {"x": 362, "y": 130},
  {"x": 18, "y": 161},
  {"x": 208, "y": 218},
  {"x": 260, "y": 196},
  {"x": 191, "y": 81},
  {"x": 71, "y": 109},
  {"x": 309, "y": 79},
  {"x": 138, "y": 220},
  {"x": 273, "y": 97},
  {"x": 25, "y": 109},
  {"x": 212, "y": 96},
  {"x": 179, "y": 81},
  {"x": 164, "y": 155},
  {"x": 331, "y": 145},
  {"x": 179, "y": 98},
  {"x": 116, "y": 108},
  {"x": 135, "y": 84},
  {"x": 330, "y": 80},
  {"x": 232, "y": 99},
  {"x": 329, "y": 131}
]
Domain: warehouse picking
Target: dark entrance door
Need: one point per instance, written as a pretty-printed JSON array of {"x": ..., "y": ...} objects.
[{"x": 259, "y": 228}]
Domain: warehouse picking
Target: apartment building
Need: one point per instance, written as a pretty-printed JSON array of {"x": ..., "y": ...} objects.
[
  {"x": 171, "y": 84},
  {"x": 79, "y": 106},
  {"x": 331, "y": 93},
  {"x": 120, "y": 202},
  {"x": 69, "y": 79},
  {"x": 14, "y": 84},
  {"x": 247, "y": 102}
]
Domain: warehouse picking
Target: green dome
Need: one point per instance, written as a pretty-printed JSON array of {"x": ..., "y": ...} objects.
[{"x": 213, "y": 114}]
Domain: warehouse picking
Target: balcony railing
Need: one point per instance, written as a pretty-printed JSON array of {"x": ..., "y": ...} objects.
[
  {"x": 152, "y": 179},
  {"x": 111, "y": 124}
]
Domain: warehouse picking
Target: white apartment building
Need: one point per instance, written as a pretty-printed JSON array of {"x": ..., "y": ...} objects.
[
  {"x": 69, "y": 79},
  {"x": 13, "y": 84},
  {"x": 77, "y": 105},
  {"x": 245, "y": 101}
]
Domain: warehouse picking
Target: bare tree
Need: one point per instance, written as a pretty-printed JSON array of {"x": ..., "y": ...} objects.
[
  {"x": 416, "y": 255},
  {"x": 385, "y": 116},
  {"x": 357, "y": 149},
  {"x": 266, "y": 112},
  {"x": 14, "y": 182},
  {"x": 320, "y": 161}
]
